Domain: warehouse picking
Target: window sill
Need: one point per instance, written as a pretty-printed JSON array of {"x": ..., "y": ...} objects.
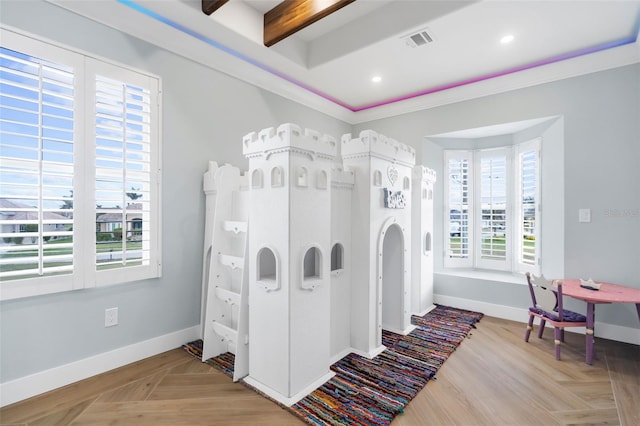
[
  {"x": 269, "y": 284},
  {"x": 336, "y": 272},
  {"x": 503, "y": 277},
  {"x": 310, "y": 283}
]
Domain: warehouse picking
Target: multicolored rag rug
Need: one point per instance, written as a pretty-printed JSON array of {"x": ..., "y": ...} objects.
[{"x": 373, "y": 391}]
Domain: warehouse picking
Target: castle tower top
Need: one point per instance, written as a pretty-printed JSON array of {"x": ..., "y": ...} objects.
[
  {"x": 424, "y": 173},
  {"x": 286, "y": 137},
  {"x": 370, "y": 143},
  {"x": 342, "y": 178}
]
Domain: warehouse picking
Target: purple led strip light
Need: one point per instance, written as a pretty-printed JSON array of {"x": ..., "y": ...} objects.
[{"x": 336, "y": 101}]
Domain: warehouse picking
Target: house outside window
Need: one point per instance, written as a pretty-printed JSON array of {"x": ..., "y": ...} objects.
[
  {"x": 492, "y": 199},
  {"x": 79, "y": 172}
]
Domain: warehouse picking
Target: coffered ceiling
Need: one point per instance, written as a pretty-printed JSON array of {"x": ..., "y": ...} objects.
[{"x": 330, "y": 64}]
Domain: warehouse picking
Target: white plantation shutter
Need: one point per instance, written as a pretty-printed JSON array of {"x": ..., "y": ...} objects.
[
  {"x": 37, "y": 138},
  {"x": 492, "y": 224},
  {"x": 459, "y": 203},
  {"x": 126, "y": 175},
  {"x": 66, "y": 180},
  {"x": 528, "y": 198},
  {"x": 123, "y": 173}
]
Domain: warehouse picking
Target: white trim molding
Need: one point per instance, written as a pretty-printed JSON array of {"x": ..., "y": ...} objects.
[
  {"x": 44, "y": 381},
  {"x": 604, "y": 330},
  {"x": 288, "y": 401}
]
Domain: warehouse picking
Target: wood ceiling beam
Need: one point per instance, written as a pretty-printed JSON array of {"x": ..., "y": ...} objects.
[
  {"x": 210, "y": 6},
  {"x": 291, "y": 16}
]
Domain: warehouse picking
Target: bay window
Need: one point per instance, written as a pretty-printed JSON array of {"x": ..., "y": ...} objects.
[{"x": 492, "y": 201}]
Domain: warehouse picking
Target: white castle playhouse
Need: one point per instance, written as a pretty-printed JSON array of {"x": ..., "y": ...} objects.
[{"x": 312, "y": 252}]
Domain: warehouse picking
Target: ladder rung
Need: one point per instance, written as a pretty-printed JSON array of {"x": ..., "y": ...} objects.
[
  {"x": 234, "y": 226},
  {"x": 226, "y": 332},
  {"x": 230, "y": 297},
  {"x": 233, "y": 262}
]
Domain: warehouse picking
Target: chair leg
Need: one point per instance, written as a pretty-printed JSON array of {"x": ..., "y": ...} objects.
[
  {"x": 557, "y": 341},
  {"x": 562, "y": 335},
  {"x": 529, "y": 328},
  {"x": 542, "y": 324}
]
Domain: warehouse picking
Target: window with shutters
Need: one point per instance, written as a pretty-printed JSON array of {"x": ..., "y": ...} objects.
[
  {"x": 459, "y": 208},
  {"x": 492, "y": 199},
  {"x": 79, "y": 154},
  {"x": 528, "y": 207},
  {"x": 492, "y": 242}
]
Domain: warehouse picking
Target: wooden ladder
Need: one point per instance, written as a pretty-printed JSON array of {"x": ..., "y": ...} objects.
[{"x": 225, "y": 281}]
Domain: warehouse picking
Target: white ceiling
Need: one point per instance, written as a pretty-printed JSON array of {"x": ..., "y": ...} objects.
[{"x": 329, "y": 64}]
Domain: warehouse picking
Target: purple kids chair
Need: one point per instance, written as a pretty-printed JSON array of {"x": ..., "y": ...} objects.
[{"x": 547, "y": 305}]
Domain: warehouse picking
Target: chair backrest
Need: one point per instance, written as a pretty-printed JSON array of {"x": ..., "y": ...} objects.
[{"x": 542, "y": 294}]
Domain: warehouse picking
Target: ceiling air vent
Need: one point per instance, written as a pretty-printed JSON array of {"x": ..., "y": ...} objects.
[{"x": 419, "y": 38}]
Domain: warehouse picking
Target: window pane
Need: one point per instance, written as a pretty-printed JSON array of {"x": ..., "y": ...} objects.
[
  {"x": 458, "y": 176},
  {"x": 528, "y": 194},
  {"x": 493, "y": 201},
  {"x": 123, "y": 167},
  {"x": 36, "y": 195}
]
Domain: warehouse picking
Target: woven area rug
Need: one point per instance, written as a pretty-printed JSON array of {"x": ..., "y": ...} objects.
[{"x": 373, "y": 391}]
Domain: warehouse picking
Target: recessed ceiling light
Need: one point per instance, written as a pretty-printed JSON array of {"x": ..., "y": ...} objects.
[
  {"x": 507, "y": 39},
  {"x": 376, "y": 79}
]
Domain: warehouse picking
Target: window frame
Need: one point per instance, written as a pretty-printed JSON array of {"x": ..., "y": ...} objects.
[
  {"x": 85, "y": 273},
  {"x": 461, "y": 261},
  {"x": 480, "y": 262},
  {"x": 513, "y": 207},
  {"x": 530, "y": 145}
]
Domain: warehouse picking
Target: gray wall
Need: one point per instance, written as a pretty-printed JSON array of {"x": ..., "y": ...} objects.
[
  {"x": 205, "y": 116},
  {"x": 601, "y": 119}
]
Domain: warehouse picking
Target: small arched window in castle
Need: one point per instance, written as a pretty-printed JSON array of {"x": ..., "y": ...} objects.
[
  {"x": 322, "y": 180},
  {"x": 430, "y": 196},
  {"x": 377, "y": 178},
  {"x": 311, "y": 263},
  {"x": 266, "y": 265},
  {"x": 424, "y": 193},
  {"x": 256, "y": 179},
  {"x": 407, "y": 184},
  {"x": 301, "y": 177},
  {"x": 276, "y": 176},
  {"x": 427, "y": 242},
  {"x": 337, "y": 257}
]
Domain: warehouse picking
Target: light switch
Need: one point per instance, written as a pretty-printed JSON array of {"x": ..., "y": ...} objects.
[{"x": 584, "y": 215}]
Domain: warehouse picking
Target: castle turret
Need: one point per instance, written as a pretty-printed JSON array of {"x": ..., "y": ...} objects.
[
  {"x": 381, "y": 237},
  {"x": 422, "y": 236},
  {"x": 342, "y": 185},
  {"x": 290, "y": 258}
]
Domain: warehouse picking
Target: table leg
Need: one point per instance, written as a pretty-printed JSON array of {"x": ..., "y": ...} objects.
[
  {"x": 589, "y": 334},
  {"x": 638, "y": 308}
]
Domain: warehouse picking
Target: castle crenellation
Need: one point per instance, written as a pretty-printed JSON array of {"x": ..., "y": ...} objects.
[{"x": 289, "y": 135}]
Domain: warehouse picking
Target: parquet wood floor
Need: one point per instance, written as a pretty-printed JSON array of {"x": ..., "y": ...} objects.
[{"x": 493, "y": 378}]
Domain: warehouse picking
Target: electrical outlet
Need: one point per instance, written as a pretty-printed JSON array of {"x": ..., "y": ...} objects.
[
  {"x": 110, "y": 317},
  {"x": 584, "y": 215}
]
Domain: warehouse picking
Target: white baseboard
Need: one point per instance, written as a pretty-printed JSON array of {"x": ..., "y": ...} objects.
[
  {"x": 44, "y": 381},
  {"x": 606, "y": 331},
  {"x": 404, "y": 332},
  {"x": 337, "y": 357},
  {"x": 371, "y": 354},
  {"x": 426, "y": 311},
  {"x": 288, "y": 401}
]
